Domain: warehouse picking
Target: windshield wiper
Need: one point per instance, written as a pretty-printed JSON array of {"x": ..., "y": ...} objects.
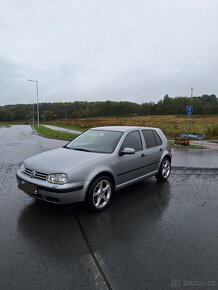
[
  {"x": 81, "y": 149},
  {"x": 65, "y": 146}
]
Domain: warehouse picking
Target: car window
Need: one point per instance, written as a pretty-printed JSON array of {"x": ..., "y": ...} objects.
[
  {"x": 158, "y": 139},
  {"x": 133, "y": 140},
  {"x": 150, "y": 139},
  {"x": 101, "y": 141}
]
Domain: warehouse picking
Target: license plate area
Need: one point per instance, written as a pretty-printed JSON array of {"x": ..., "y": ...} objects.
[{"x": 28, "y": 187}]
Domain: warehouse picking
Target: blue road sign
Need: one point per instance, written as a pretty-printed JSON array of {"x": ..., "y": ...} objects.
[{"x": 189, "y": 110}]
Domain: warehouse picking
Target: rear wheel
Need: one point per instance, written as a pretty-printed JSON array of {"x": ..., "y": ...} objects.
[
  {"x": 100, "y": 193},
  {"x": 164, "y": 170}
]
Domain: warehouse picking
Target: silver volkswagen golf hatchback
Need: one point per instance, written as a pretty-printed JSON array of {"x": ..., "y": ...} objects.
[{"x": 95, "y": 164}]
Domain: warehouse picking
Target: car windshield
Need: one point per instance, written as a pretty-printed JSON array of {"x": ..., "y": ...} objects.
[{"x": 100, "y": 141}]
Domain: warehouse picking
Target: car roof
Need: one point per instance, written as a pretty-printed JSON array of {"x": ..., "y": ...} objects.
[{"x": 122, "y": 128}]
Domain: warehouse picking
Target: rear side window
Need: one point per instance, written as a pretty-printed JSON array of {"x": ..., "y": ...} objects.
[
  {"x": 158, "y": 139},
  {"x": 133, "y": 140},
  {"x": 152, "y": 139}
]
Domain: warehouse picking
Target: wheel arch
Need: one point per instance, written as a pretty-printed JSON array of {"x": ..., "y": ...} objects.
[
  {"x": 167, "y": 155},
  {"x": 102, "y": 173}
]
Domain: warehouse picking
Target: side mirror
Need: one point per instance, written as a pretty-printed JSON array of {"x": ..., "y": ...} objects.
[{"x": 128, "y": 151}]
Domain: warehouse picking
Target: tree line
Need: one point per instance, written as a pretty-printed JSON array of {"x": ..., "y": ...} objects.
[{"x": 203, "y": 105}]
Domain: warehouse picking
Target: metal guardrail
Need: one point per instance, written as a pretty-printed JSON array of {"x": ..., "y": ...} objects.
[{"x": 213, "y": 145}]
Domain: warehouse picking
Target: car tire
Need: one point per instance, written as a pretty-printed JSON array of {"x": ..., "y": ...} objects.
[
  {"x": 100, "y": 193},
  {"x": 164, "y": 170}
]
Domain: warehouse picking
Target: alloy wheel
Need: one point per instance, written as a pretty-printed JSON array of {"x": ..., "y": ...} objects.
[
  {"x": 102, "y": 193},
  {"x": 166, "y": 168}
]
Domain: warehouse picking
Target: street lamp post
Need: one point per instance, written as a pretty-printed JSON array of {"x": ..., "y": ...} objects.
[
  {"x": 33, "y": 115},
  {"x": 37, "y": 96}
]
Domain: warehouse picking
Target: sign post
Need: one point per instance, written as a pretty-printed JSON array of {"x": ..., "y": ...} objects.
[{"x": 188, "y": 111}]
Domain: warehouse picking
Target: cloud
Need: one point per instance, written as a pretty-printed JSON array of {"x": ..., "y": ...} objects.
[{"x": 99, "y": 50}]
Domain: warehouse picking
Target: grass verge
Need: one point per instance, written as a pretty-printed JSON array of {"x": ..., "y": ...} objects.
[
  {"x": 5, "y": 125},
  {"x": 46, "y": 132},
  {"x": 170, "y": 125},
  {"x": 66, "y": 125}
]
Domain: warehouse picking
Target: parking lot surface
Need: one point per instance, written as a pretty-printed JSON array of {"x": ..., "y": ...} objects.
[{"x": 153, "y": 236}]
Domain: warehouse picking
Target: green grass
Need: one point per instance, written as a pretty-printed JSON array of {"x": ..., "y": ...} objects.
[
  {"x": 170, "y": 125},
  {"x": 46, "y": 132},
  {"x": 66, "y": 125},
  {"x": 5, "y": 124}
]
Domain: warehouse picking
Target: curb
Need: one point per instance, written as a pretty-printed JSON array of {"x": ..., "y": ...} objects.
[{"x": 48, "y": 137}]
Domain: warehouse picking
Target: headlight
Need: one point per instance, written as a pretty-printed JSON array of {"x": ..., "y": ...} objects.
[
  {"x": 58, "y": 178},
  {"x": 22, "y": 167}
]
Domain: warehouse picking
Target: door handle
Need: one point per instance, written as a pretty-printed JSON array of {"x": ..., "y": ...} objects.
[
  {"x": 161, "y": 149},
  {"x": 143, "y": 155}
]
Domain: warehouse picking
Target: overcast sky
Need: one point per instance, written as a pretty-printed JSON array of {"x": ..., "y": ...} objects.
[{"x": 134, "y": 50}]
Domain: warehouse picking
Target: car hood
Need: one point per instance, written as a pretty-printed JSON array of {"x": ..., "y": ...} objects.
[{"x": 60, "y": 160}]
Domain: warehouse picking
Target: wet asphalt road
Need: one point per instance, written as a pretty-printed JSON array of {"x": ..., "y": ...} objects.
[
  {"x": 153, "y": 236},
  {"x": 195, "y": 158}
]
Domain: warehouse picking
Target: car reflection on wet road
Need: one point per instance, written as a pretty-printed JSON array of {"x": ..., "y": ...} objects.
[{"x": 151, "y": 235}]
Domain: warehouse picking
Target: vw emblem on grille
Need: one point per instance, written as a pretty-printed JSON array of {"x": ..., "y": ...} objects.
[{"x": 32, "y": 174}]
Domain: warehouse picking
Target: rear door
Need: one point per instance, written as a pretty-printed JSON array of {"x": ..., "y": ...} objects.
[{"x": 153, "y": 150}]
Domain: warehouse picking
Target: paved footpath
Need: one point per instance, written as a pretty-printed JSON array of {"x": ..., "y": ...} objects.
[
  {"x": 60, "y": 129},
  {"x": 213, "y": 145}
]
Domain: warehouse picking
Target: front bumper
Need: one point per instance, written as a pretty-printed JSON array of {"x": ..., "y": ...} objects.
[{"x": 62, "y": 194}]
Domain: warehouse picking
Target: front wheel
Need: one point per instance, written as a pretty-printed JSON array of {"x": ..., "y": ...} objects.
[
  {"x": 164, "y": 170},
  {"x": 100, "y": 193}
]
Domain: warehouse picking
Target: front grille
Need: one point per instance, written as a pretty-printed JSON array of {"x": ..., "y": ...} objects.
[{"x": 36, "y": 174}]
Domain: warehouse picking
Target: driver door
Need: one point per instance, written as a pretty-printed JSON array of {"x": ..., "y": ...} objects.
[{"x": 130, "y": 166}]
